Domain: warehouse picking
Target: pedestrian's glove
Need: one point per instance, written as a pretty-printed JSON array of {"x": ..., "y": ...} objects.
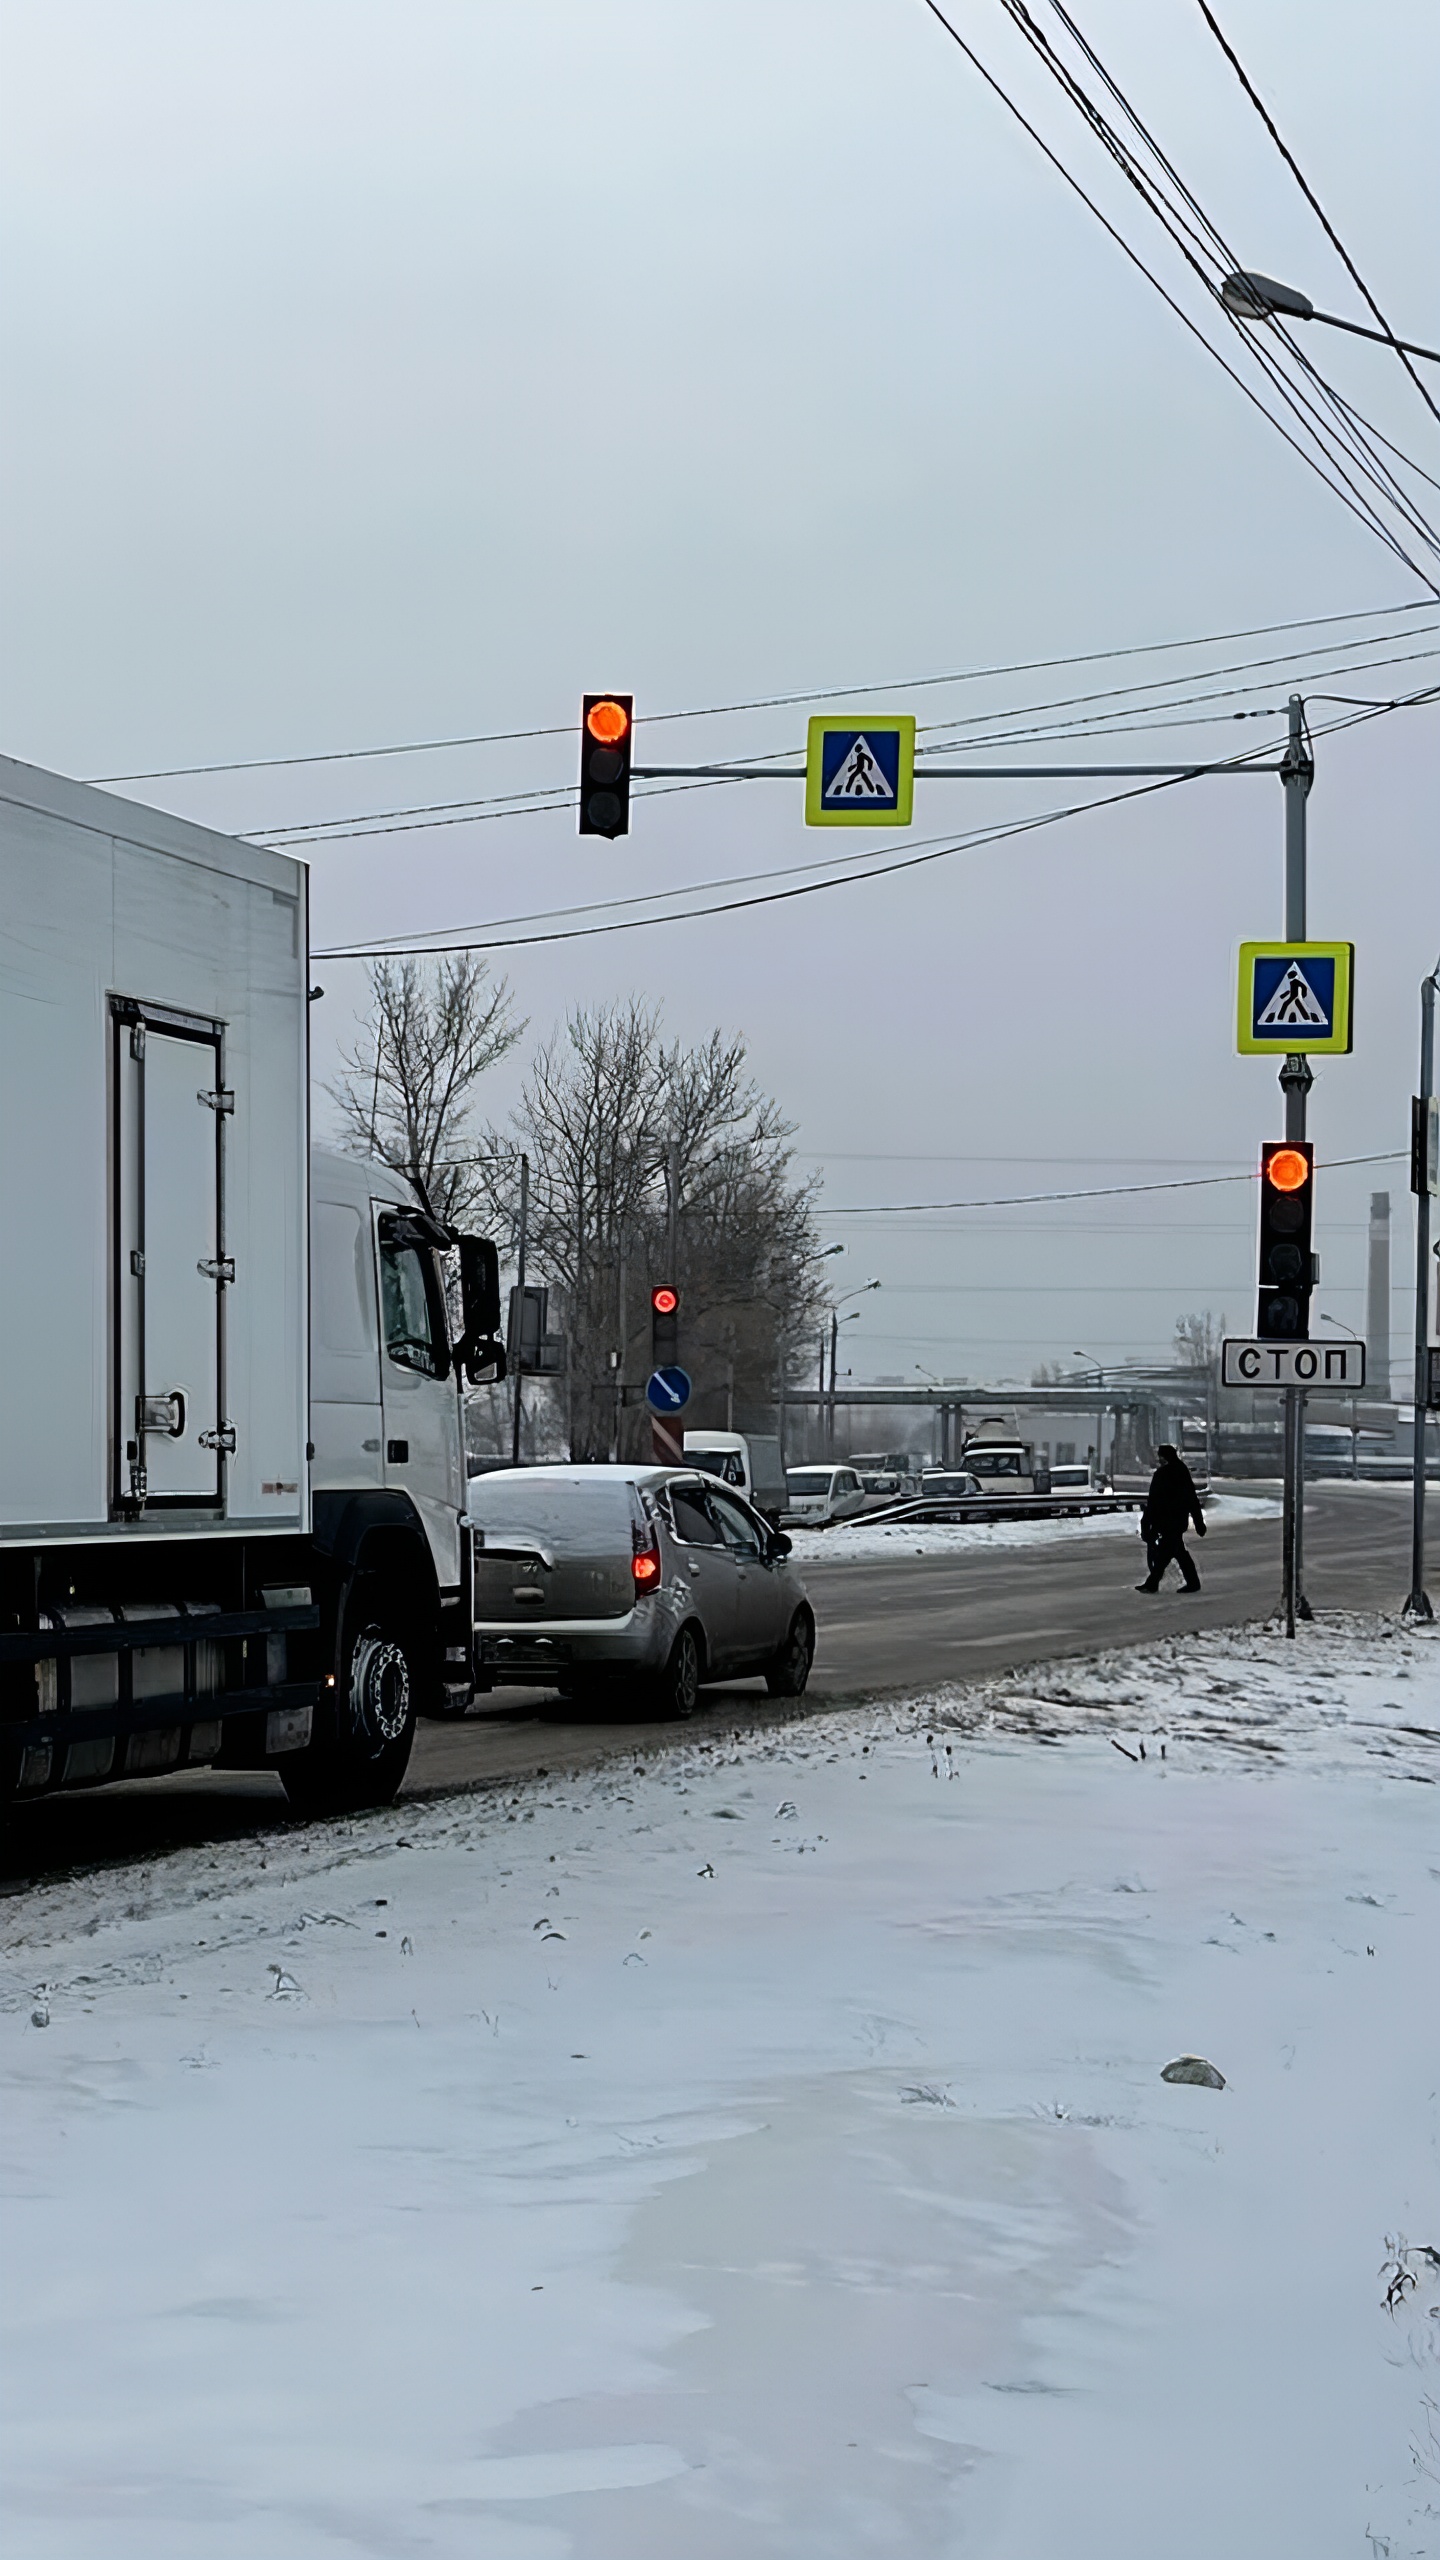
[{"x": 1200, "y": 1529}]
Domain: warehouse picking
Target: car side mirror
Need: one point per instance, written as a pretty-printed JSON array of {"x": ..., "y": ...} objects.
[{"x": 779, "y": 1543}]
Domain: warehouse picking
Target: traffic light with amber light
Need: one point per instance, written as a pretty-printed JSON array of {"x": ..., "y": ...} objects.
[
  {"x": 606, "y": 733},
  {"x": 664, "y": 1326},
  {"x": 1287, "y": 1217}
]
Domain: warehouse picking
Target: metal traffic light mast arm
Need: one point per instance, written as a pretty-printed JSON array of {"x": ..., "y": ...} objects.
[{"x": 944, "y": 772}]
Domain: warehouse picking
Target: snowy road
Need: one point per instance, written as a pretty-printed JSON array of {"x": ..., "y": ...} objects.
[{"x": 762, "y": 2151}]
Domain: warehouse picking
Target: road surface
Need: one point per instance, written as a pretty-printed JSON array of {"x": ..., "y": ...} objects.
[{"x": 904, "y": 1625}]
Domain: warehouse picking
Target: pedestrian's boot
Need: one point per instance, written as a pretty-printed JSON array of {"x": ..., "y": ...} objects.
[{"x": 1150, "y": 1586}]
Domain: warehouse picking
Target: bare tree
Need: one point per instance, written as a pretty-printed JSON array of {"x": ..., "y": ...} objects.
[
  {"x": 1198, "y": 1339},
  {"x": 609, "y": 1116},
  {"x": 407, "y": 1089}
]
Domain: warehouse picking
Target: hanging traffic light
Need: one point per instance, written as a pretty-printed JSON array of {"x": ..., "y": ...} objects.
[
  {"x": 606, "y": 735},
  {"x": 664, "y": 1325},
  {"x": 1287, "y": 1215}
]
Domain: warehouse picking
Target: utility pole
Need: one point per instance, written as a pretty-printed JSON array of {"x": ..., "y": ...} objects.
[
  {"x": 672, "y": 1204},
  {"x": 519, "y": 1342},
  {"x": 830, "y": 1409},
  {"x": 1418, "y": 1604},
  {"x": 1297, "y": 772}
]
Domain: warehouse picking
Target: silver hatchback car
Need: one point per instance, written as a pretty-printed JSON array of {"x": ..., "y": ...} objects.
[{"x": 637, "y": 1583}]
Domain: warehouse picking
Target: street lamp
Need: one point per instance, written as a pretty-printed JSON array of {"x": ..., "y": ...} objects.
[
  {"x": 1354, "y": 1403},
  {"x": 1099, "y": 1411},
  {"x": 836, "y": 1320},
  {"x": 1249, "y": 296}
]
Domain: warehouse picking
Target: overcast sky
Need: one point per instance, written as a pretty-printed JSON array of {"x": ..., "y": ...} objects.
[{"x": 381, "y": 373}]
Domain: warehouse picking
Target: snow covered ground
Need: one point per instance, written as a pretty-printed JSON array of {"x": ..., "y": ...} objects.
[
  {"x": 872, "y": 1541},
  {"x": 705, "y": 2157}
]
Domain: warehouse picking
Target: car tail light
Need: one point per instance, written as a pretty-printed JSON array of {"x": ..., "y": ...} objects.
[{"x": 645, "y": 1561}]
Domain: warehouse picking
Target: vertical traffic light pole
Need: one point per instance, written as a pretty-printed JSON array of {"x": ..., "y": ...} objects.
[
  {"x": 1296, "y": 773},
  {"x": 1418, "y": 1604},
  {"x": 517, "y": 1348}
]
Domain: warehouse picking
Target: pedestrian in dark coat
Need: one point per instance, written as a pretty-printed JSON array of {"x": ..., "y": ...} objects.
[{"x": 1170, "y": 1505}]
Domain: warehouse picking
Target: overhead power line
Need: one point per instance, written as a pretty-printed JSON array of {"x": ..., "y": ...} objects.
[
  {"x": 1308, "y": 192},
  {"x": 869, "y": 865},
  {"x": 1328, "y": 466},
  {"x": 357, "y": 825},
  {"x": 1100, "y": 1191},
  {"x": 764, "y": 702}
]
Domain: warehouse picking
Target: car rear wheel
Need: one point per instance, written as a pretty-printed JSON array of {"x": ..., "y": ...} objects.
[
  {"x": 786, "y": 1676},
  {"x": 677, "y": 1690}
]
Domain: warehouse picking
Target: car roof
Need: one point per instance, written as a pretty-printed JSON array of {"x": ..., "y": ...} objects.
[{"x": 617, "y": 1473}]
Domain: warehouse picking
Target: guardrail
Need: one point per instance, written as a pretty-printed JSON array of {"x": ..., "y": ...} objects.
[{"x": 990, "y": 1506}]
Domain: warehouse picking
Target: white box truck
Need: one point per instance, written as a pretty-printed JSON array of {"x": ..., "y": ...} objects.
[{"x": 231, "y": 1457}]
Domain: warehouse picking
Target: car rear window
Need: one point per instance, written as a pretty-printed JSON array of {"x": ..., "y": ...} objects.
[
  {"x": 808, "y": 1479},
  {"x": 553, "y": 1509}
]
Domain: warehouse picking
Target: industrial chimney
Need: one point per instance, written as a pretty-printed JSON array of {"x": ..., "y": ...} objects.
[{"x": 1377, "y": 1301}]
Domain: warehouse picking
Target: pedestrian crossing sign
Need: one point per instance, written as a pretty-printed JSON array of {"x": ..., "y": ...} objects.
[
  {"x": 1295, "y": 997},
  {"x": 860, "y": 771}
]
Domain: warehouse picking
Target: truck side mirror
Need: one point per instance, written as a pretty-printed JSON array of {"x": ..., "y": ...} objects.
[
  {"x": 480, "y": 1288},
  {"x": 484, "y": 1362},
  {"x": 479, "y": 1351}
]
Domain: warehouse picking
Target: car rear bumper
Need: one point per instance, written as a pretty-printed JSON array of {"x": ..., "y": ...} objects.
[{"x": 558, "y": 1648}]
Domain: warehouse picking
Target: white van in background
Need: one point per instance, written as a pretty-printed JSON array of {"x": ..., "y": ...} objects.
[
  {"x": 815, "y": 1497},
  {"x": 748, "y": 1460}
]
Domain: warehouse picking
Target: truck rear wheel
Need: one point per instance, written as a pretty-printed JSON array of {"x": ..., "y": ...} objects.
[{"x": 366, "y": 1724}]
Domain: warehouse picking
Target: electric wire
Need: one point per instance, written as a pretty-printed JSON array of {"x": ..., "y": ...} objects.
[
  {"x": 1186, "y": 239},
  {"x": 1339, "y": 487},
  {"x": 487, "y": 938},
  {"x": 764, "y": 702},
  {"x": 1098, "y": 1191},
  {"x": 560, "y": 795},
  {"x": 1308, "y": 192},
  {"x": 1361, "y": 425}
]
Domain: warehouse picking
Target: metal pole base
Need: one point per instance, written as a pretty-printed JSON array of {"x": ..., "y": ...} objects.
[
  {"x": 1303, "y": 1608},
  {"x": 1418, "y": 1606}
]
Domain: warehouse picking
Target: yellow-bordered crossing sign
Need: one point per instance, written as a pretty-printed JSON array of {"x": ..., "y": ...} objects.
[
  {"x": 1296, "y": 996},
  {"x": 860, "y": 770}
]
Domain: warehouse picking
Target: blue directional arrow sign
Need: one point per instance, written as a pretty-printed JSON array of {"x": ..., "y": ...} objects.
[{"x": 667, "y": 1390}]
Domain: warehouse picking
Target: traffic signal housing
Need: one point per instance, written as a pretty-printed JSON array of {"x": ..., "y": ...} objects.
[
  {"x": 664, "y": 1325},
  {"x": 1287, "y": 1217},
  {"x": 607, "y": 728}
]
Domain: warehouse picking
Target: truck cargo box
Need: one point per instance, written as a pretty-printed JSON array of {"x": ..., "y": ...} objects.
[{"x": 153, "y": 1167}]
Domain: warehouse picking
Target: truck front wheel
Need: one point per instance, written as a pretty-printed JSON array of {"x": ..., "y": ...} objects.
[{"x": 365, "y": 1725}]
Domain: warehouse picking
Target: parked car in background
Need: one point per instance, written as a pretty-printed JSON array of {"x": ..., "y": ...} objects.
[
  {"x": 817, "y": 1496},
  {"x": 748, "y": 1460},
  {"x": 1073, "y": 1475},
  {"x": 632, "y": 1587}
]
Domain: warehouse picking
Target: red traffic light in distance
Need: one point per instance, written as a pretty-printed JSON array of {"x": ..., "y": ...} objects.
[{"x": 664, "y": 1302}]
